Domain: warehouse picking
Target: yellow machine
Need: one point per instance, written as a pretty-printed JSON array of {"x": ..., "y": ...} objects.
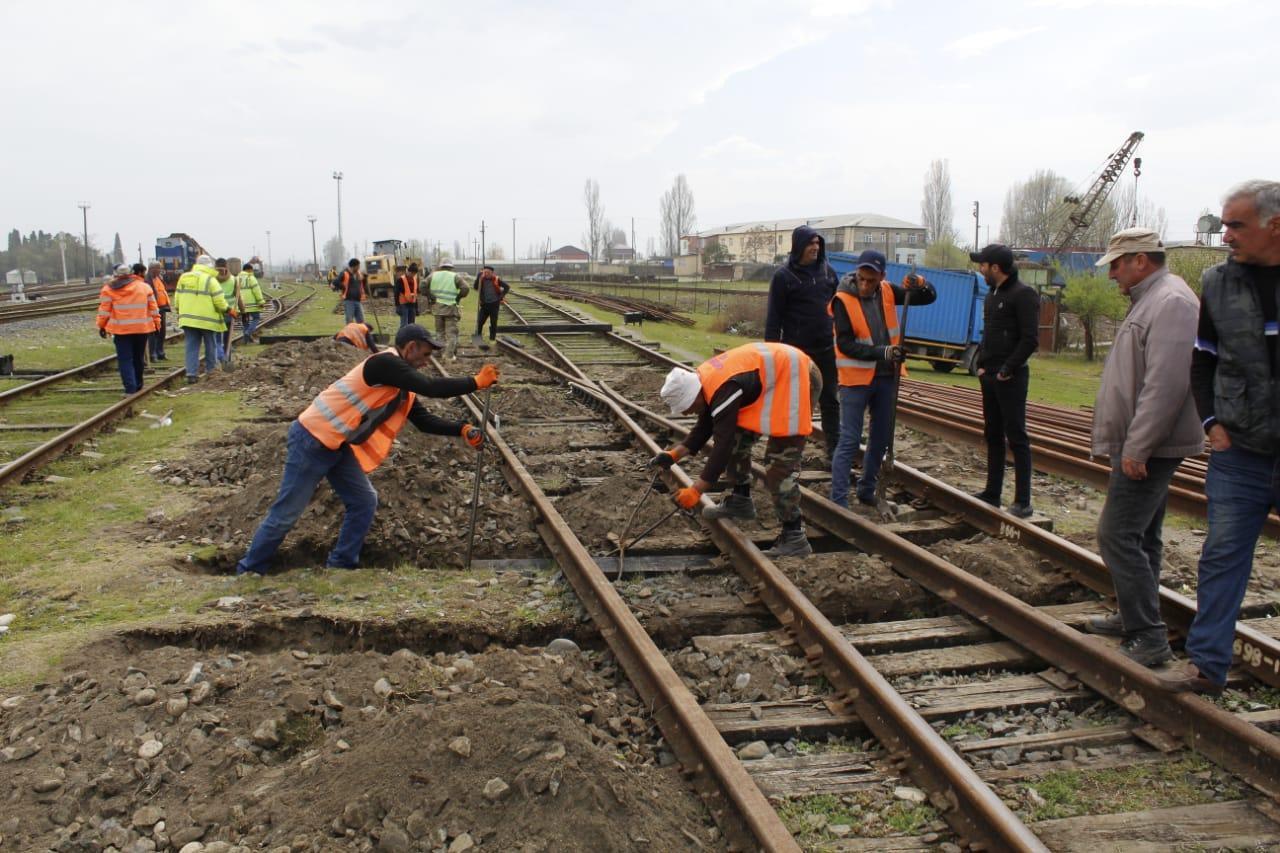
[{"x": 388, "y": 260}]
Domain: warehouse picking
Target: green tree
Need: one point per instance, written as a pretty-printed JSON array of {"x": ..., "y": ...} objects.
[
  {"x": 945, "y": 254},
  {"x": 1092, "y": 297},
  {"x": 1190, "y": 264},
  {"x": 715, "y": 253},
  {"x": 117, "y": 251}
]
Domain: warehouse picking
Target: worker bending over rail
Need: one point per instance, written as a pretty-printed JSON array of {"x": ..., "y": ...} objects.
[
  {"x": 752, "y": 390},
  {"x": 358, "y": 335},
  {"x": 347, "y": 431}
]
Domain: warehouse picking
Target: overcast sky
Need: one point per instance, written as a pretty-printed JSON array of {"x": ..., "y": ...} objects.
[{"x": 225, "y": 120}]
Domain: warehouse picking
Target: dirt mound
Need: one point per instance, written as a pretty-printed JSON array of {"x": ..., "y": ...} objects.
[
  {"x": 529, "y": 401},
  {"x": 424, "y": 496},
  {"x": 1018, "y": 572},
  {"x": 595, "y": 512},
  {"x": 285, "y": 377},
  {"x": 514, "y": 749}
]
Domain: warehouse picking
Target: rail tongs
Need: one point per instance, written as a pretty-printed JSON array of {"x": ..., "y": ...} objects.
[{"x": 655, "y": 485}]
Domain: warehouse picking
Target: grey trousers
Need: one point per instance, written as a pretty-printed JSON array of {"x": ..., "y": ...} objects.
[{"x": 1131, "y": 543}]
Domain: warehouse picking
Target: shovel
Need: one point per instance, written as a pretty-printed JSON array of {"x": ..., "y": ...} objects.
[{"x": 475, "y": 490}]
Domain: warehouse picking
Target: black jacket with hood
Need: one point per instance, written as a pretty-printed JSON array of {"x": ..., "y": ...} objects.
[{"x": 799, "y": 295}]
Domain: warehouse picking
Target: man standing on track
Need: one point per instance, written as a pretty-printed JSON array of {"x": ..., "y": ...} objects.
[
  {"x": 405, "y": 291},
  {"x": 1234, "y": 378},
  {"x": 752, "y": 390},
  {"x": 200, "y": 305},
  {"x": 347, "y": 432},
  {"x": 445, "y": 290},
  {"x": 350, "y": 283},
  {"x": 1144, "y": 420},
  {"x": 128, "y": 312},
  {"x": 490, "y": 291},
  {"x": 232, "y": 297},
  {"x": 155, "y": 277},
  {"x": 869, "y": 357},
  {"x": 251, "y": 300},
  {"x": 798, "y": 314},
  {"x": 1010, "y": 334}
]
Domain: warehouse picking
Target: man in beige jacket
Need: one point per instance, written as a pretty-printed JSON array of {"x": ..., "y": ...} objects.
[{"x": 1145, "y": 420}]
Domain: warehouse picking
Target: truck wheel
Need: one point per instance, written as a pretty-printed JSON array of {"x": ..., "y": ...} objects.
[
  {"x": 970, "y": 359},
  {"x": 943, "y": 366}
]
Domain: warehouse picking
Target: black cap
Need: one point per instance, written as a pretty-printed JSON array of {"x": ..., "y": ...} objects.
[
  {"x": 220, "y": 262},
  {"x": 487, "y": 267},
  {"x": 995, "y": 253},
  {"x": 413, "y": 267},
  {"x": 139, "y": 268},
  {"x": 413, "y": 332},
  {"x": 354, "y": 262},
  {"x": 872, "y": 259}
]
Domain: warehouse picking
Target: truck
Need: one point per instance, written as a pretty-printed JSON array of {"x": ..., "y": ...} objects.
[
  {"x": 945, "y": 334},
  {"x": 388, "y": 259},
  {"x": 178, "y": 252}
]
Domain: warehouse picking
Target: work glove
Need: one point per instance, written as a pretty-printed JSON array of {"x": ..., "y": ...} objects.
[
  {"x": 666, "y": 458},
  {"x": 913, "y": 282},
  {"x": 688, "y": 497},
  {"x": 472, "y": 435},
  {"x": 894, "y": 353},
  {"x": 231, "y": 312},
  {"x": 102, "y": 333},
  {"x": 487, "y": 376}
]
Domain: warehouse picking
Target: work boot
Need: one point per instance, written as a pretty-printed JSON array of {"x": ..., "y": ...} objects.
[
  {"x": 1111, "y": 625},
  {"x": 733, "y": 506},
  {"x": 790, "y": 543},
  {"x": 987, "y": 498},
  {"x": 1021, "y": 510},
  {"x": 1148, "y": 651}
]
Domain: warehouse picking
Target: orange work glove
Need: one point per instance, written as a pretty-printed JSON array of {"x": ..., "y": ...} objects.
[
  {"x": 688, "y": 497},
  {"x": 233, "y": 313},
  {"x": 667, "y": 458},
  {"x": 487, "y": 376},
  {"x": 912, "y": 281},
  {"x": 472, "y": 435}
]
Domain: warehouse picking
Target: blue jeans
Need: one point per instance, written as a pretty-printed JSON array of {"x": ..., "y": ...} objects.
[
  {"x": 408, "y": 314},
  {"x": 306, "y": 464},
  {"x": 1242, "y": 487},
  {"x": 353, "y": 310},
  {"x": 251, "y": 323},
  {"x": 192, "y": 338},
  {"x": 131, "y": 351},
  {"x": 854, "y": 400}
]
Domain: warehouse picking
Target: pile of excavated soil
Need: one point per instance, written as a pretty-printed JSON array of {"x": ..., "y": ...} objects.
[
  {"x": 852, "y": 586},
  {"x": 285, "y": 377},
  {"x": 507, "y": 750},
  {"x": 424, "y": 496},
  {"x": 595, "y": 512},
  {"x": 1015, "y": 570}
]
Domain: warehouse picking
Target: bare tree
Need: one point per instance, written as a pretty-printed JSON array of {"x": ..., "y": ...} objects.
[
  {"x": 678, "y": 216},
  {"x": 1135, "y": 211},
  {"x": 333, "y": 254},
  {"x": 757, "y": 240},
  {"x": 496, "y": 252},
  {"x": 457, "y": 251},
  {"x": 1034, "y": 209},
  {"x": 936, "y": 208},
  {"x": 595, "y": 233}
]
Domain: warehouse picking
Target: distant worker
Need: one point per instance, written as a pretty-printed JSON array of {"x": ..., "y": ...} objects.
[
  {"x": 231, "y": 294},
  {"x": 155, "y": 278},
  {"x": 869, "y": 358},
  {"x": 358, "y": 335},
  {"x": 797, "y": 314},
  {"x": 490, "y": 291},
  {"x": 445, "y": 289},
  {"x": 1235, "y": 379},
  {"x": 127, "y": 312},
  {"x": 350, "y": 284},
  {"x": 251, "y": 302},
  {"x": 405, "y": 291},
  {"x": 1144, "y": 419},
  {"x": 200, "y": 306},
  {"x": 1010, "y": 334},
  {"x": 347, "y": 432},
  {"x": 752, "y": 390}
]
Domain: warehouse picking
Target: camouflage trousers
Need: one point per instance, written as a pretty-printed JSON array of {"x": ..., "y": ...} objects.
[
  {"x": 782, "y": 469},
  {"x": 447, "y": 326}
]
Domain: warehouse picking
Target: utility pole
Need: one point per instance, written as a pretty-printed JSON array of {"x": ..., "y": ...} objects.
[
  {"x": 481, "y": 244},
  {"x": 975, "y": 226},
  {"x": 269, "y": 264},
  {"x": 514, "y": 253},
  {"x": 140, "y": 253},
  {"x": 315, "y": 258},
  {"x": 337, "y": 176},
  {"x": 62, "y": 249},
  {"x": 84, "y": 209},
  {"x": 634, "y": 254}
]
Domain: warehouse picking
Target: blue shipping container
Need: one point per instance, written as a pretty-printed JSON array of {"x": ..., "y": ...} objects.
[{"x": 947, "y": 332}]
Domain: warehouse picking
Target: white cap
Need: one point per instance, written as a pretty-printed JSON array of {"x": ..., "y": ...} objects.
[
  {"x": 204, "y": 261},
  {"x": 124, "y": 269},
  {"x": 446, "y": 265},
  {"x": 680, "y": 390}
]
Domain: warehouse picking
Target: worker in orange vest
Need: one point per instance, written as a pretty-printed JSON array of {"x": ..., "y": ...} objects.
[
  {"x": 358, "y": 335},
  {"x": 405, "y": 290},
  {"x": 869, "y": 359},
  {"x": 127, "y": 312},
  {"x": 752, "y": 390},
  {"x": 347, "y": 432},
  {"x": 155, "y": 277},
  {"x": 351, "y": 284}
]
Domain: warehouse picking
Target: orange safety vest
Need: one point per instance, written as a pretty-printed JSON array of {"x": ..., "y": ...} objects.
[
  {"x": 345, "y": 278},
  {"x": 365, "y": 417},
  {"x": 129, "y": 309},
  {"x": 356, "y": 334},
  {"x": 409, "y": 294},
  {"x": 783, "y": 407},
  {"x": 162, "y": 294},
  {"x": 853, "y": 371}
]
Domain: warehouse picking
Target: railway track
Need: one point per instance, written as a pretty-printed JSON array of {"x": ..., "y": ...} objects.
[
  {"x": 76, "y": 403},
  {"x": 53, "y": 300},
  {"x": 979, "y": 627}
]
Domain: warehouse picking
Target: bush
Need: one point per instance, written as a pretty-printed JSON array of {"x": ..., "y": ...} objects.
[
  {"x": 1091, "y": 298},
  {"x": 741, "y": 315}
]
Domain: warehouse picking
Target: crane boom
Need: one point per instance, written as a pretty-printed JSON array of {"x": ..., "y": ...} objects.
[{"x": 1087, "y": 206}]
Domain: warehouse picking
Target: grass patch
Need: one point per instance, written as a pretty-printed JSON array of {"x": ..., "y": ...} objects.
[
  {"x": 963, "y": 729},
  {"x": 1185, "y": 782},
  {"x": 298, "y": 732},
  {"x": 1063, "y": 379},
  {"x": 865, "y": 812}
]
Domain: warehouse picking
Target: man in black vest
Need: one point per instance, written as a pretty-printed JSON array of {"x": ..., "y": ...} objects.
[
  {"x": 1010, "y": 334},
  {"x": 1233, "y": 379}
]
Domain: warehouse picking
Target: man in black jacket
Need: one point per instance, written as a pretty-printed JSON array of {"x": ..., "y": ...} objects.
[
  {"x": 799, "y": 294},
  {"x": 1010, "y": 334}
]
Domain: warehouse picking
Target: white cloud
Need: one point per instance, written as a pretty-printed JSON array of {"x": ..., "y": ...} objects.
[
  {"x": 739, "y": 147},
  {"x": 976, "y": 44}
]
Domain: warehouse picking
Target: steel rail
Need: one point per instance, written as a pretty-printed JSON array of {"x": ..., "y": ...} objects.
[
  {"x": 737, "y": 804},
  {"x": 51, "y": 449},
  {"x": 1238, "y": 746}
]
